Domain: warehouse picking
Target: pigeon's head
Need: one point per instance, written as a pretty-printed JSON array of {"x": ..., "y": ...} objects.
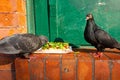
[
  {"x": 89, "y": 17},
  {"x": 43, "y": 39}
]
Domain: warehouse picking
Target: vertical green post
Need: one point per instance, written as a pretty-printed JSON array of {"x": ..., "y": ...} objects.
[
  {"x": 30, "y": 16},
  {"x": 41, "y": 17}
]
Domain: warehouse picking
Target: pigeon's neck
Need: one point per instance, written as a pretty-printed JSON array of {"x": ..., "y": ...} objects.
[
  {"x": 91, "y": 23},
  {"x": 90, "y": 26}
]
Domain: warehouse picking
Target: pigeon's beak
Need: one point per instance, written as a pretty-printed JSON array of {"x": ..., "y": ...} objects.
[{"x": 87, "y": 18}]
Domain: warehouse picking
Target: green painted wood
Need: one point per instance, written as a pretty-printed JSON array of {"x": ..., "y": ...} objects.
[
  {"x": 30, "y": 16},
  {"x": 70, "y": 18},
  {"x": 66, "y": 18},
  {"x": 52, "y": 19},
  {"x": 41, "y": 17}
]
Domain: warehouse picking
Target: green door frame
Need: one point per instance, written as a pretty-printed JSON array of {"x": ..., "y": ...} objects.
[
  {"x": 30, "y": 16},
  {"x": 37, "y": 17}
]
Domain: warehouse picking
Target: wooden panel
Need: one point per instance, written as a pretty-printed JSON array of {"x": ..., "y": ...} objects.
[
  {"x": 41, "y": 17},
  {"x": 68, "y": 18}
]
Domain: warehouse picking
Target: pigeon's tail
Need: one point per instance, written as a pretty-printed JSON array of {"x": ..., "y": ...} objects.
[
  {"x": 117, "y": 46},
  {"x": 8, "y": 49}
]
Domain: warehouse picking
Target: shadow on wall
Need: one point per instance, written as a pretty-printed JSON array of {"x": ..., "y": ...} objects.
[
  {"x": 7, "y": 66},
  {"x": 61, "y": 40},
  {"x": 7, "y": 59}
]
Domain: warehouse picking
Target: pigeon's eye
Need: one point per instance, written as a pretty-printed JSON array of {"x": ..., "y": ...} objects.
[{"x": 87, "y": 18}]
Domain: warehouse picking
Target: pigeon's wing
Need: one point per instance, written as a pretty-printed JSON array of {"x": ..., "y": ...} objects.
[
  {"x": 18, "y": 43},
  {"x": 28, "y": 43},
  {"x": 104, "y": 39},
  {"x": 7, "y": 48}
]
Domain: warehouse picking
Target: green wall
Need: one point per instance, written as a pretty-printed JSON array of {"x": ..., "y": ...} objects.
[{"x": 66, "y": 18}]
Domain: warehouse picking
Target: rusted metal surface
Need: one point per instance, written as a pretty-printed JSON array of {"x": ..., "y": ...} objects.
[{"x": 71, "y": 66}]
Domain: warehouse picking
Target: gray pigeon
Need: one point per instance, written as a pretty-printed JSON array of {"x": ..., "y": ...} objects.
[{"x": 22, "y": 44}]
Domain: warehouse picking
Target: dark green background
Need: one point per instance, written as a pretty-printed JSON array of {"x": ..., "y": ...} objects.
[{"x": 66, "y": 18}]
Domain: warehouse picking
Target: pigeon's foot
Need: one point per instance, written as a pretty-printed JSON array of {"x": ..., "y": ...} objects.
[
  {"x": 26, "y": 55},
  {"x": 97, "y": 54}
]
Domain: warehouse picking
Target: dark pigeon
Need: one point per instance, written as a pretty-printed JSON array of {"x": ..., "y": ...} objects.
[
  {"x": 97, "y": 37},
  {"x": 22, "y": 44}
]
